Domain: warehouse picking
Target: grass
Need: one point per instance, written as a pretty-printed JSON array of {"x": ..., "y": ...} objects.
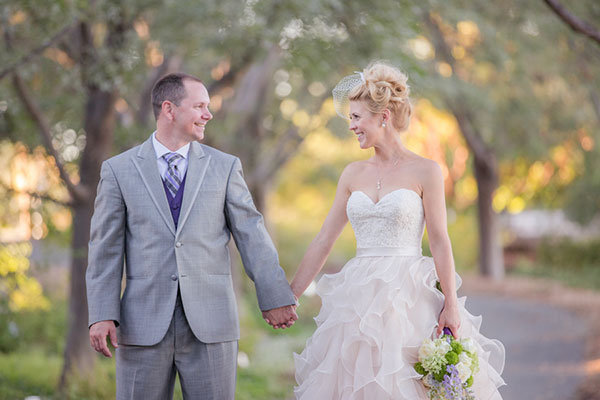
[
  {"x": 34, "y": 373},
  {"x": 32, "y": 367},
  {"x": 585, "y": 276}
]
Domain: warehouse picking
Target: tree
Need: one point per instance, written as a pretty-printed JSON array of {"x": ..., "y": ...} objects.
[
  {"x": 95, "y": 56},
  {"x": 582, "y": 202},
  {"x": 100, "y": 45}
]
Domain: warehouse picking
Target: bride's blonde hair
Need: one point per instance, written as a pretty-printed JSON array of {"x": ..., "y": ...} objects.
[{"x": 385, "y": 86}]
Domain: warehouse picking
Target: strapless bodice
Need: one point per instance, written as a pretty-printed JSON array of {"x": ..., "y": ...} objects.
[{"x": 397, "y": 220}]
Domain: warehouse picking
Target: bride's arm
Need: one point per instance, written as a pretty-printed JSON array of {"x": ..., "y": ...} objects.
[
  {"x": 320, "y": 247},
  {"x": 434, "y": 205}
]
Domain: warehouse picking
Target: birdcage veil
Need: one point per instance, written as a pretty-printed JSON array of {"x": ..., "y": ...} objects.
[{"x": 342, "y": 90}]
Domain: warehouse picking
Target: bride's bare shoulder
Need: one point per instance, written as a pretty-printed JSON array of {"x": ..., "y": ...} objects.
[
  {"x": 428, "y": 171},
  {"x": 354, "y": 167},
  {"x": 350, "y": 172}
]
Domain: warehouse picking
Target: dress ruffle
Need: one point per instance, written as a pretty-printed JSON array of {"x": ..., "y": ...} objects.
[{"x": 375, "y": 314}]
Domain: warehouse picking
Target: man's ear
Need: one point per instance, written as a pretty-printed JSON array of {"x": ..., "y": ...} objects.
[{"x": 168, "y": 110}]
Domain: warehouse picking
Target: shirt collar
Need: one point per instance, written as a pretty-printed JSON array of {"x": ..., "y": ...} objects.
[{"x": 161, "y": 150}]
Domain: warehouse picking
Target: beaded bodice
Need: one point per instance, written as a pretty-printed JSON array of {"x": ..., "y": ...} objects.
[{"x": 396, "y": 220}]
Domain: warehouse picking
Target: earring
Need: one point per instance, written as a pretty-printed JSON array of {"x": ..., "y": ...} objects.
[{"x": 383, "y": 124}]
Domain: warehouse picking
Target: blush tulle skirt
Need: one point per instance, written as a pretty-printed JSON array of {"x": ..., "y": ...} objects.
[{"x": 375, "y": 314}]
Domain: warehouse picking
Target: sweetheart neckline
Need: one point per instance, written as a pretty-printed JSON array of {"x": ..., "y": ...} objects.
[{"x": 385, "y": 195}]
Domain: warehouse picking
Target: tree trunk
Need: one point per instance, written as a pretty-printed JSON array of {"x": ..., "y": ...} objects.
[
  {"x": 79, "y": 355},
  {"x": 99, "y": 126},
  {"x": 491, "y": 262}
]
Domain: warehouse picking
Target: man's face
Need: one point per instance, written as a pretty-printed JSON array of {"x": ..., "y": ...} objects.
[{"x": 192, "y": 115}]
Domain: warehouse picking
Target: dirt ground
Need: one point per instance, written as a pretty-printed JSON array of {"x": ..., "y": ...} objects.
[{"x": 585, "y": 303}]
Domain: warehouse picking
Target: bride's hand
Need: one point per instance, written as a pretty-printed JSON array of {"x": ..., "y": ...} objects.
[{"x": 449, "y": 318}]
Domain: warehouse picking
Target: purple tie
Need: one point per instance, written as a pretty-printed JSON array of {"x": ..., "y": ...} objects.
[{"x": 172, "y": 178}]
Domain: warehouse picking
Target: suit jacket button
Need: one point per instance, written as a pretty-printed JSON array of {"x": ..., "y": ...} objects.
[
  {"x": 174, "y": 277},
  {"x": 178, "y": 244}
]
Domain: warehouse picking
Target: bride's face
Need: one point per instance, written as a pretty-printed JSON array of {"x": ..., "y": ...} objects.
[{"x": 365, "y": 125}]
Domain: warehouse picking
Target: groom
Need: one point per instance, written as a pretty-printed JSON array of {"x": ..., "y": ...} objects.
[{"x": 163, "y": 216}]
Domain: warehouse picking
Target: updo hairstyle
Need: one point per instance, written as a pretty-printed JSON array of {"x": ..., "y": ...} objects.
[{"x": 385, "y": 86}]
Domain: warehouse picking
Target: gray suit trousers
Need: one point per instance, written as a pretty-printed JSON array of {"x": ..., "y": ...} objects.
[{"x": 206, "y": 371}]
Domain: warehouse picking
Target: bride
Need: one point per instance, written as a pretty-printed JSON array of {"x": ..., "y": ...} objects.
[{"x": 378, "y": 309}]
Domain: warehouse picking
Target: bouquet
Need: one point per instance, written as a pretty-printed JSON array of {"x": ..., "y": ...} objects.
[{"x": 448, "y": 366}]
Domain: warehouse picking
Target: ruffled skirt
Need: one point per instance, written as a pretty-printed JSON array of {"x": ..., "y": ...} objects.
[{"x": 375, "y": 314}]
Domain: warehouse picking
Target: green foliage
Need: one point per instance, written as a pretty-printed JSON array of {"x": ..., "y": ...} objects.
[
  {"x": 574, "y": 263},
  {"x": 452, "y": 357},
  {"x": 456, "y": 347},
  {"x": 42, "y": 328},
  {"x": 583, "y": 195},
  {"x": 463, "y": 232},
  {"x": 470, "y": 381},
  {"x": 28, "y": 373},
  {"x": 569, "y": 254},
  {"x": 439, "y": 376},
  {"x": 32, "y": 365},
  {"x": 419, "y": 369},
  {"x": 18, "y": 290}
]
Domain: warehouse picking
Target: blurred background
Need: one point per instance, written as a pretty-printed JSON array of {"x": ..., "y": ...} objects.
[{"x": 506, "y": 98}]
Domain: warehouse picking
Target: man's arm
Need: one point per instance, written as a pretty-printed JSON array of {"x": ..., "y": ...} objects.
[
  {"x": 105, "y": 260},
  {"x": 257, "y": 250}
]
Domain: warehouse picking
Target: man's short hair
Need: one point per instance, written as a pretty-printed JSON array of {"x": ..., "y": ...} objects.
[{"x": 170, "y": 87}]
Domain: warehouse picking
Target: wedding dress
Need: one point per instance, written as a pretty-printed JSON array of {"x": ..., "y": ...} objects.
[{"x": 378, "y": 309}]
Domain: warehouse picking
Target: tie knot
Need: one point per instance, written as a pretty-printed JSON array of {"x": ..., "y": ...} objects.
[{"x": 172, "y": 158}]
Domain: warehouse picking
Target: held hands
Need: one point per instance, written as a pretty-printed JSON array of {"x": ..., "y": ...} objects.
[
  {"x": 98, "y": 333},
  {"x": 449, "y": 318},
  {"x": 282, "y": 317}
]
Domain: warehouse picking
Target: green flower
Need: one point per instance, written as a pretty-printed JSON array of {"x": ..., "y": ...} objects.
[
  {"x": 470, "y": 381},
  {"x": 439, "y": 376},
  {"x": 419, "y": 368},
  {"x": 456, "y": 347},
  {"x": 435, "y": 363},
  {"x": 452, "y": 357}
]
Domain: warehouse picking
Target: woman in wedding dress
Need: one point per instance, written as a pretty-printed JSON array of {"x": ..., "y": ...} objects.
[{"x": 378, "y": 309}]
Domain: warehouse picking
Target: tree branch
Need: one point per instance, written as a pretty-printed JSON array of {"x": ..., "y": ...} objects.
[
  {"x": 41, "y": 196},
  {"x": 44, "y": 130},
  {"x": 36, "y": 51},
  {"x": 596, "y": 103},
  {"x": 286, "y": 146},
  {"x": 577, "y": 24},
  {"x": 234, "y": 72},
  {"x": 461, "y": 113},
  {"x": 76, "y": 193}
]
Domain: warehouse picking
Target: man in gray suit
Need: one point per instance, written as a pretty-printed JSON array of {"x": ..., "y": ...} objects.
[{"x": 166, "y": 209}]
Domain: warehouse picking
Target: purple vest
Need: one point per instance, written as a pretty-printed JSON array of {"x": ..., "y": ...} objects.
[{"x": 175, "y": 202}]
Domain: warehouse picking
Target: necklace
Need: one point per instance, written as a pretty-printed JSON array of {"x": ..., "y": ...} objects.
[{"x": 379, "y": 176}]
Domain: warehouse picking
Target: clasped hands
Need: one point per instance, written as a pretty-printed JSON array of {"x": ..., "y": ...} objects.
[{"x": 281, "y": 317}]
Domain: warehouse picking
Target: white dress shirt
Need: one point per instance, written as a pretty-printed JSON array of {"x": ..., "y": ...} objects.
[{"x": 161, "y": 150}]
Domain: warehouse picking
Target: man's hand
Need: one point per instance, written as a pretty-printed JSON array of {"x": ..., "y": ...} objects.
[
  {"x": 282, "y": 317},
  {"x": 98, "y": 333}
]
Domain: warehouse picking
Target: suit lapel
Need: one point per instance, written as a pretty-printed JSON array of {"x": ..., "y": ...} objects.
[
  {"x": 145, "y": 163},
  {"x": 197, "y": 166}
]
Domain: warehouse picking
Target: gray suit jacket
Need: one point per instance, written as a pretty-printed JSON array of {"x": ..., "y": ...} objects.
[{"x": 132, "y": 225}]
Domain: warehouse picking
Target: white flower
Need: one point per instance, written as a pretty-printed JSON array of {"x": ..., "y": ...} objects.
[
  {"x": 443, "y": 346},
  {"x": 465, "y": 359},
  {"x": 464, "y": 371},
  {"x": 431, "y": 354},
  {"x": 468, "y": 344},
  {"x": 426, "y": 350}
]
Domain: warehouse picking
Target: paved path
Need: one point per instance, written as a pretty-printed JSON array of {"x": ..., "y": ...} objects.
[{"x": 544, "y": 346}]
